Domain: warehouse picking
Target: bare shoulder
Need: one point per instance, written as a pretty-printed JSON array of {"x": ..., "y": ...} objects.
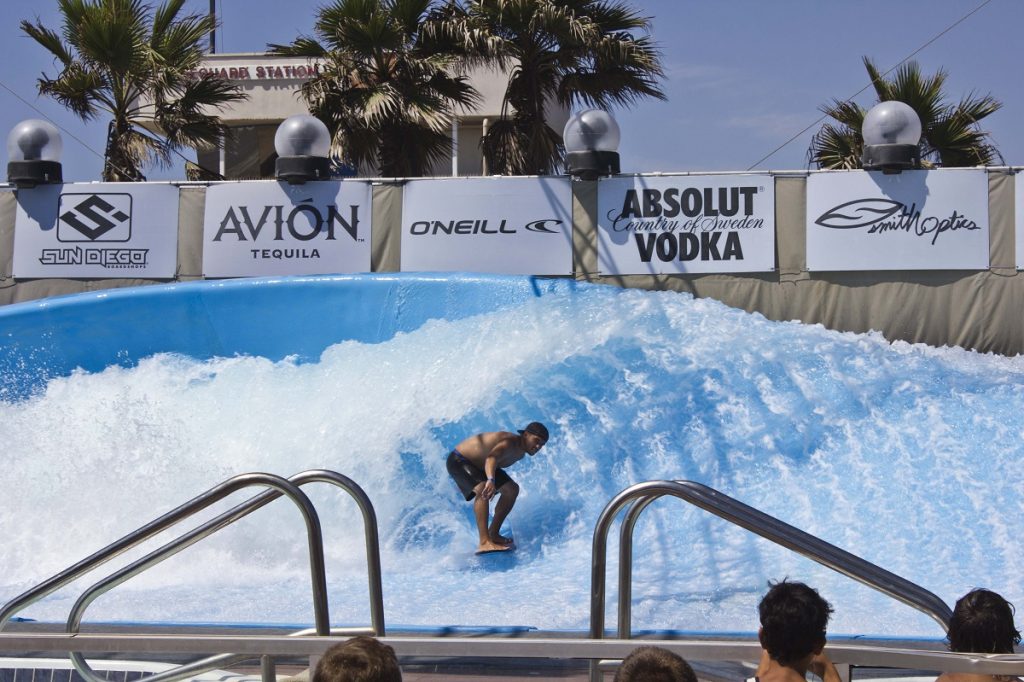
[
  {"x": 504, "y": 439},
  {"x": 483, "y": 443}
]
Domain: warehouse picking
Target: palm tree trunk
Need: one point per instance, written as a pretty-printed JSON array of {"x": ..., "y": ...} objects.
[{"x": 117, "y": 166}]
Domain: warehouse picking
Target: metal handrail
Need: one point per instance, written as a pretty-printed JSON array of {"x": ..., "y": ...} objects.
[
  {"x": 212, "y": 526},
  {"x": 237, "y": 513},
  {"x": 204, "y": 665},
  {"x": 734, "y": 511},
  {"x": 283, "y": 486},
  {"x": 561, "y": 648},
  {"x": 280, "y": 485}
]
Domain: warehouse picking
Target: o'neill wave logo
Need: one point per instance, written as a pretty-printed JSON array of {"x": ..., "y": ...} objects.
[
  {"x": 480, "y": 226},
  {"x": 886, "y": 215},
  {"x": 546, "y": 226},
  {"x": 96, "y": 218},
  {"x": 276, "y": 224}
]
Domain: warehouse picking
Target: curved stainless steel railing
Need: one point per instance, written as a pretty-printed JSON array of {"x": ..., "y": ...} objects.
[
  {"x": 210, "y": 527},
  {"x": 175, "y": 515},
  {"x": 734, "y": 511},
  {"x": 279, "y": 487}
]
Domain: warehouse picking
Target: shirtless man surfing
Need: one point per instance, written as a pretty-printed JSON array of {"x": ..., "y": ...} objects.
[{"x": 477, "y": 465}]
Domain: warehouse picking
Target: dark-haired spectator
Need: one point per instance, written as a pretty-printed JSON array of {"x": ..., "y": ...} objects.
[
  {"x": 982, "y": 623},
  {"x": 654, "y": 664},
  {"x": 360, "y": 659},
  {"x": 794, "y": 618}
]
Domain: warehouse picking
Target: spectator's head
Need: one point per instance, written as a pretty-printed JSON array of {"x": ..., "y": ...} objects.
[
  {"x": 793, "y": 621},
  {"x": 654, "y": 664},
  {"x": 360, "y": 659},
  {"x": 982, "y": 623}
]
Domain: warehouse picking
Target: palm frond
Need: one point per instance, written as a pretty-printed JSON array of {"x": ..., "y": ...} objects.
[
  {"x": 302, "y": 47},
  {"x": 836, "y": 148},
  {"x": 950, "y": 132},
  {"x": 576, "y": 52},
  {"x": 77, "y": 89},
  {"x": 48, "y": 39},
  {"x": 117, "y": 54}
]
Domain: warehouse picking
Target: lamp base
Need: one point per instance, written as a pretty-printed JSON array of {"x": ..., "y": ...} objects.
[
  {"x": 296, "y": 170},
  {"x": 28, "y": 174},
  {"x": 891, "y": 158},
  {"x": 590, "y": 165}
]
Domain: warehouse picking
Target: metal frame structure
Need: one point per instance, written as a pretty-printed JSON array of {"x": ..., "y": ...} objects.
[
  {"x": 643, "y": 494},
  {"x": 595, "y": 648},
  {"x": 278, "y": 487},
  {"x": 512, "y": 648}
]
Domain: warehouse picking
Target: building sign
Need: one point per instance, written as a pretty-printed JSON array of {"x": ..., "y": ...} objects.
[
  {"x": 270, "y": 71},
  {"x": 273, "y": 228},
  {"x": 511, "y": 226},
  {"x": 686, "y": 224},
  {"x": 97, "y": 231},
  {"x": 915, "y": 220}
]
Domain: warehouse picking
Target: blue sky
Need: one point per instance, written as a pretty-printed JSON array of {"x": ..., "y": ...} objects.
[{"x": 742, "y": 76}]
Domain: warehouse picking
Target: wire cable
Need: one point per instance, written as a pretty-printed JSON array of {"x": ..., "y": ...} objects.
[
  {"x": 899, "y": 64},
  {"x": 59, "y": 126},
  {"x": 86, "y": 145}
]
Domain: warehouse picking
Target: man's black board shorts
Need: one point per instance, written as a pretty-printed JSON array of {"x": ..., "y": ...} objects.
[{"x": 468, "y": 475}]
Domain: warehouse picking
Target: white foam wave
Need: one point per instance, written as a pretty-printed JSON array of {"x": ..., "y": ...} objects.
[{"x": 904, "y": 454}]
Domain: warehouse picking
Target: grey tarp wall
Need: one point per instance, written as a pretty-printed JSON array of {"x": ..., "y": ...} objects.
[{"x": 975, "y": 310}]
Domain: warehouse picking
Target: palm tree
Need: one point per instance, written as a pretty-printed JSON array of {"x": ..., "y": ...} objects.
[
  {"x": 573, "y": 52},
  {"x": 123, "y": 58},
  {"x": 386, "y": 88},
  {"x": 950, "y": 133}
]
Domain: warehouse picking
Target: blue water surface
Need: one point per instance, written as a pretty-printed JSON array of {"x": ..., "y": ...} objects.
[{"x": 904, "y": 454}]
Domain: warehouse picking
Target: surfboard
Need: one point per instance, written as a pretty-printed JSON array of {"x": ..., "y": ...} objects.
[{"x": 511, "y": 548}]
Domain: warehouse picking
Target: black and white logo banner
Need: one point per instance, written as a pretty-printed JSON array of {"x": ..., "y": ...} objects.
[
  {"x": 915, "y": 220},
  {"x": 273, "y": 228},
  {"x": 101, "y": 230},
  {"x": 686, "y": 224},
  {"x": 509, "y": 226}
]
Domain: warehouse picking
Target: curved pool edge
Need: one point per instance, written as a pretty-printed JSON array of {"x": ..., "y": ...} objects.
[{"x": 272, "y": 317}]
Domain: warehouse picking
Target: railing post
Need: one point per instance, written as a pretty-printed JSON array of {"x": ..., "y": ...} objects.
[
  {"x": 268, "y": 672},
  {"x": 746, "y": 517}
]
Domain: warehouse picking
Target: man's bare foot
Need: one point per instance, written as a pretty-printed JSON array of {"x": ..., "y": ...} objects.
[
  {"x": 501, "y": 539},
  {"x": 486, "y": 547}
]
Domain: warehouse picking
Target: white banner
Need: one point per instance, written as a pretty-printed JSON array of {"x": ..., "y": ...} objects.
[
  {"x": 915, "y": 220},
  {"x": 686, "y": 224},
  {"x": 273, "y": 228},
  {"x": 510, "y": 226},
  {"x": 1018, "y": 204},
  {"x": 97, "y": 230}
]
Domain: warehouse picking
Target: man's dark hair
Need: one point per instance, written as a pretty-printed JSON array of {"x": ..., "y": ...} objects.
[
  {"x": 360, "y": 659},
  {"x": 537, "y": 429},
  {"x": 654, "y": 664},
  {"x": 793, "y": 621},
  {"x": 982, "y": 623}
]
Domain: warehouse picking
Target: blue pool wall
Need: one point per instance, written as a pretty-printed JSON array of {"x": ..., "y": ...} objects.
[{"x": 274, "y": 317}]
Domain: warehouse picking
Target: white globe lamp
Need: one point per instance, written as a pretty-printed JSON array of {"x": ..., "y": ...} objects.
[
  {"x": 591, "y": 141},
  {"x": 303, "y": 146},
  {"x": 34, "y": 147},
  {"x": 892, "y": 133}
]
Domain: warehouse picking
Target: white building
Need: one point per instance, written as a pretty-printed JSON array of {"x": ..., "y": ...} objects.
[{"x": 272, "y": 84}]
